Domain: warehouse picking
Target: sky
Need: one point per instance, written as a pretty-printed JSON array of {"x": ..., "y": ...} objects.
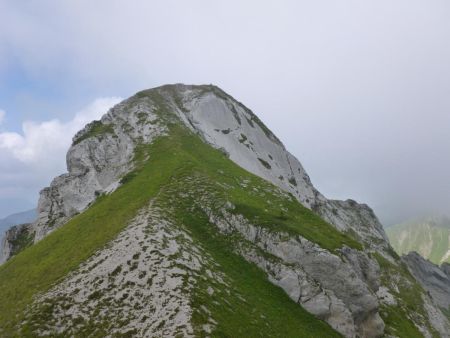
[{"x": 359, "y": 91}]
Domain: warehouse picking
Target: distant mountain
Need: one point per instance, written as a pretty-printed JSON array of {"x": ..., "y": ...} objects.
[
  {"x": 429, "y": 236},
  {"x": 18, "y": 218}
]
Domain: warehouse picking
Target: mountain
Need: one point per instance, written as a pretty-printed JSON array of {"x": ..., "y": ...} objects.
[
  {"x": 182, "y": 214},
  {"x": 429, "y": 236},
  {"x": 18, "y": 218},
  {"x": 15, "y": 223}
]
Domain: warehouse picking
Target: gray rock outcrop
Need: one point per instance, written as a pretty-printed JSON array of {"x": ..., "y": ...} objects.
[
  {"x": 433, "y": 279},
  {"x": 338, "y": 290},
  {"x": 227, "y": 124},
  {"x": 95, "y": 165},
  {"x": 15, "y": 240}
]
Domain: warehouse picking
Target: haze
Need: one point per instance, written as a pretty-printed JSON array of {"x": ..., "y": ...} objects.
[{"x": 357, "y": 90}]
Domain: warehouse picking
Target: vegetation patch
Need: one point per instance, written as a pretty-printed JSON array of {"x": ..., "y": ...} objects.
[
  {"x": 399, "y": 319},
  {"x": 22, "y": 240},
  {"x": 235, "y": 113},
  {"x": 243, "y": 138},
  {"x": 250, "y": 306},
  {"x": 95, "y": 128},
  {"x": 142, "y": 117},
  {"x": 265, "y": 163}
]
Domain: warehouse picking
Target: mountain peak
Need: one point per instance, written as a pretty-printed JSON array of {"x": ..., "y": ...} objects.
[
  {"x": 227, "y": 124},
  {"x": 186, "y": 214}
]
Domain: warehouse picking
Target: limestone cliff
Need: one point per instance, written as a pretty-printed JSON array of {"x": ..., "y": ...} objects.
[
  {"x": 96, "y": 164},
  {"x": 434, "y": 279}
]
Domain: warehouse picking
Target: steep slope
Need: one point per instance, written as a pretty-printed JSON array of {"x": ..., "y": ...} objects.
[
  {"x": 433, "y": 279},
  {"x": 248, "y": 302},
  {"x": 428, "y": 236},
  {"x": 175, "y": 223},
  {"x": 222, "y": 122}
]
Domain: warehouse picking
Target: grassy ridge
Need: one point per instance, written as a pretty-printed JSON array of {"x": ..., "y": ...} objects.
[
  {"x": 260, "y": 201},
  {"x": 40, "y": 266},
  {"x": 267, "y": 310}
]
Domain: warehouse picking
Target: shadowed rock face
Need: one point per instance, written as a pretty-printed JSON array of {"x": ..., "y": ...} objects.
[
  {"x": 21, "y": 218},
  {"x": 446, "y": 268},
  {"x": 17, "y": 238},
  {"x": 434, "y": 279},
  {"x": 340, "y": 287}
]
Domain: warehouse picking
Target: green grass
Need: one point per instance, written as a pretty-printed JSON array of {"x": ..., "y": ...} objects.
[
  {"x": 96, "y": 128},
  {"x": 40, "y": 266},
  {"x": 253, "y": 307},
  {"x": 408, "y": 292},
  {"x": 397, "y": 324},
  {"x": 446, "y": 312}
]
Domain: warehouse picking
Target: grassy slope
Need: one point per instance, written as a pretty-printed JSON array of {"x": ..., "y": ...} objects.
[
  {"x": 408, "y": 293},
  {"x": 38, "y": 267},
  {"x": 430, "y": 241},
  {"x": 97, "y": 128}
]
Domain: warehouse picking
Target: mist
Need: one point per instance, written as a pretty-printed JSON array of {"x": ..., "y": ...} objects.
[{"x": 357, "y": 90}]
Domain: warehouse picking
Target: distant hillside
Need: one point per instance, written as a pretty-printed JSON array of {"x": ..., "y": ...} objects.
[
  {"x": 429, "y": 236},
  {"x": 18, "y": 218}
]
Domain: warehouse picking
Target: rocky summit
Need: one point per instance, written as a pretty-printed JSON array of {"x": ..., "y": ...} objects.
[{"x": 183, "y": 215}]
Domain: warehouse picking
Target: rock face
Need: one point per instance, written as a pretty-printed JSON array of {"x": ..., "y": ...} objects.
[
  {"x": 315, "y": 278},
  {"x": 16, "y": 239},
  {"x": 434, "y": 279},
  {"x": 16, "y": 224},
  {"x": 349, "y": 288},
  {"x": 95, "y": 165},
  {"x": 229, "y": 125}
]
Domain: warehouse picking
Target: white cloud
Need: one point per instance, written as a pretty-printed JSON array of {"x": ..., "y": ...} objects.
[
  {"x": 2, "y": 115},
  {"x": 31, "y": 159},
  {"x": 46, "y": 142}
]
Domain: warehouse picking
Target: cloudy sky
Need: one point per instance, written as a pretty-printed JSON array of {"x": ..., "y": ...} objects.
[{"x": 358, "y": 90}]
